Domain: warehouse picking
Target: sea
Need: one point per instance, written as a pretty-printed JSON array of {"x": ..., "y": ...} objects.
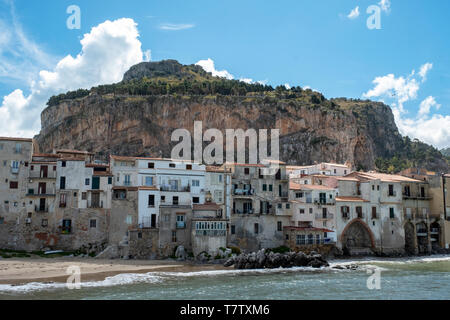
[{"x": 419, "y": 278}]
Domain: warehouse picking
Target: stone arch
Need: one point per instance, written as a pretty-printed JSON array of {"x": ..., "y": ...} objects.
[
  {"x": 357, "y": 235},
  {"x": 410, "y": 241},
  {"x": 422, "y": 237}
]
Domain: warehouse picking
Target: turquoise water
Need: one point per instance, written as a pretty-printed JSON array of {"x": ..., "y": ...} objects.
[{"x": 419, "y": 278}]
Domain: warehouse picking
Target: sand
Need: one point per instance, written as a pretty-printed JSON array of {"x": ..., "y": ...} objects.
[{"x": 26, "y": 270}]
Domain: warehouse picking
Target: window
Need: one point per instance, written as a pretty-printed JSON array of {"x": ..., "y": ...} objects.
[
  {"x": 302, "y": 211},
  {"x": 233, "y": 229},
  {"x": 54, "y": 168},
  {"x": 280, "y": 206},
  {"x": 220, "y": 178},
  {"x": 174, "y": 236},
  {"x": 345, "y": 171},
  {"x": 288, "y": 206},
  {"x": 270, "y": 187},
  {"x": 374, "y": 212},
  {"x": 127, "y": 180},
  {"x": 301, "y": 239},
  {"x": 62, "y": 200},
  {"x": 139, "y": 235},
  {"x": 149, "y": 181},
  {"x": 359, "y": 212},
  {"x": 62, "y": 183},
  {"x": 172, "y": 165},
  {"x": 151, "y": 165},
  {"x": 391, "y": 190},
  {"x": 44, "y": 223},
  {"x": 93, "y": 223},
  {"x": 334, "y": 171},
  {"x": 256, "y": 228},
  {"x": 13, "y": 185},
  {"x": 18, "y": 148},
  {"x": 189, "y": 167},
  {"x": 317, "y": 238},
  {"x": 151, "y": 200},
  {"x": 310, "y": 210},
  {"x": 391, "y": 213},
  {"x": 63, "y": 164},
  {"x": 373, "y": 187},
  {"x": 66, "y": 226},
  {"x": 175, "y": 200},
  {"x": 310, "y": 239},
  {"x": 129, "y": 220},
  {"x": 196, "y": 200},
  {"x": 378, "y": 188},
  {"x": 247, "y": 171},
  {"x": 280, "y": 226},
  {"x": 264, "y": 187},
  {"x": 163, "y": 199},
  {"x": 196, "y": 183},
  {"x": 84, "y": 196},
  {"x": 345, "y": 211},
  {"x": 299, "y": 195}
]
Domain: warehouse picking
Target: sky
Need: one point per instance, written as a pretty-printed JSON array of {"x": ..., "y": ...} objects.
[{"x": 395, "y": 51}]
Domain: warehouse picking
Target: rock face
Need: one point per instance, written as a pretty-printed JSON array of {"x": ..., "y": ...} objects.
[
  {"x": 269, "y": 260},
  {"x": 135, "y": 125}
]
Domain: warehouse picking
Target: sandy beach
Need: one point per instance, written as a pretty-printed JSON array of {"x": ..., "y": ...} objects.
[{"x": 26, "y": 270}]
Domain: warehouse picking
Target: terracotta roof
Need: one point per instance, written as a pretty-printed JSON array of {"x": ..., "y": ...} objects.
[
  {"x": 350, "y": 199},
  {"x": 296, "y": 186},
  {"x": 383, "y": 177},
  {"x": 148, "y": 188},
  {"x": 15, "y": 139},
  {"x": 206, "y": 206},
  {"x": 347, "y": 179},
  {"x": 126, "y": 188},
  {"x": 71, "y": 159},
  {"x": 46, "y": 155},
  {"x": 308, "y": 229},
  {"x": 74, "y": 151},
  {"x": 96, "y": 165},
  {"x": 123, "y": 158},
  {"x": 102, "y": 174}
]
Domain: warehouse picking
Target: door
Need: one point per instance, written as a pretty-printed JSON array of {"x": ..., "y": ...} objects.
[
  {"x": 62, "y": 183},
  {"x": 44, "y": 171},
  {"x": 95, "y": 183},
  {"x": 42, "y": 188},
  {"x": 42, "y": 204},
  {"x": 153, "y": 221},
  {"x": 95, "y": 200}
]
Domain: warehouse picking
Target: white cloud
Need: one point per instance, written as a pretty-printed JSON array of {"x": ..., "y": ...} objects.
[
  {"x": 208, "y": 66},
  {"x": 287, "y": 86},
  {"x": 175, "y": 27},
  {"x": 434, "y": 129},
  {"x": 385, "y": 5},
  {"x": 354, "y": 13},
  {"x": 246, "y": 80},
  {"x": 426, "y": 105},
  {"x": 424, "y": 70},
  {"x": 108, "y": 51}
]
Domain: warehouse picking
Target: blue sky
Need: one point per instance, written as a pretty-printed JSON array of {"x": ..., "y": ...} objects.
[{"x": 306, "y": 43}]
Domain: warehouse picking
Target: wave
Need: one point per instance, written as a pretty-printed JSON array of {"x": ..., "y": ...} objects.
[{"x": 120, "y": 279}]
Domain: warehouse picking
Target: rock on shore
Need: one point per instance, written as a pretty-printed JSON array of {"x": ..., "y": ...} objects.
[{"x": 269, "y": 260}]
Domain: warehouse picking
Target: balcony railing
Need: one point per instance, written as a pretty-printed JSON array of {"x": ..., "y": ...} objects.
[
  {"x": 181, "y": 225},
  {"x": 40, "y": 175},
  {"x": 40, "y": 209},
  {"x": 95, "y": 205},
  {"x": 175, "y": 189},
  {"x": 243, "y": 192},
  {"x": 327, "y": 216},
  {"x": 324, "y": 202},
  {"x": 249, "y": 211}
]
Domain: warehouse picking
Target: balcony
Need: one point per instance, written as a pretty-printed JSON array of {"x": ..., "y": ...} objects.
[
  {"x": 249, "y": 211},
  {"x": 176, "y": 204},
  {"x": 243, "y": 192},
  {"x": 328, "y": 216},
  {"x": 181, "y": 225},
  {"x": 41, "y": 175},
  {"x": 41, "y": 209},
  {"x": 167, "y": 188},
  {"x": 324, "y": 202},
  {"x": 392, "y": 194},
  {"x": 95, "y": 205}
]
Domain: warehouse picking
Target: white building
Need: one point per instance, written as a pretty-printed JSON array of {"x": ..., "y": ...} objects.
[{"x": 329, "y": 169}]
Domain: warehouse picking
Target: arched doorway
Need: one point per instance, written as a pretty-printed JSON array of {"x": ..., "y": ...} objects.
[
  {"x": 422, "y": 237},
  {"x": 435, "y": 232},
  {"x": 357, "y": 237},
  {"x": 410, "y": 246}
]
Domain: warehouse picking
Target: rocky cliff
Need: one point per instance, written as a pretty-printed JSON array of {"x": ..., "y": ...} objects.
[{"x": 137, "y": 117}]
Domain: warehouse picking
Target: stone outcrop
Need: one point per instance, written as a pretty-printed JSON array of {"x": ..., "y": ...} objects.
[
  {"x": 269, "y": 260},
  {"x": 312, "y": 128}
]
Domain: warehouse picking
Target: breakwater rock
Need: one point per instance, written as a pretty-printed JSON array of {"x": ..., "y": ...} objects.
[{"x": 269, "y": 260}]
